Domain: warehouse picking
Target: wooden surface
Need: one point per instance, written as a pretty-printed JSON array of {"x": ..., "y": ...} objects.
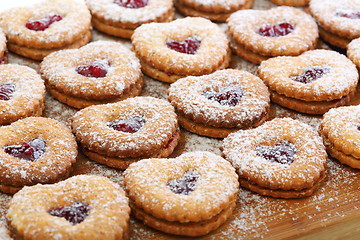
[{"x": 331, "y": 213}]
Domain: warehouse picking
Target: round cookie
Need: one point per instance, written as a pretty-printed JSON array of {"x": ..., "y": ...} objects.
[
  {"x": 79, "y": 208},
  {"x": 121, "y": 17},
  {"x": 35, "y": 150},
  {"x": 311, "y": 83},
  {"x": 218, "y": 10},
  {"x": 121, "y": 133},
  {"x": 282, "y": 158},
  {"x": 98, "y": 73},
  {"x": 188, "y": 46},
  {"x": 3, "y": 51},
  {"x": 293, "y": 3},
  {"x": 217, "y": 104},
  {"x": 257, "y": 35},
  {"x": 22, "y": 93},
  {"x": 338, "y": 20},
  {"x": 340, "y": 129},
  {"x": 49, "y": 26},
  {"x": 353, "y": 51},
  {"x": 190, "y": 195}
]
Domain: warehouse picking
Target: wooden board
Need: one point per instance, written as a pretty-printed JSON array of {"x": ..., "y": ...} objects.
[{"x": 331, "y": 213}]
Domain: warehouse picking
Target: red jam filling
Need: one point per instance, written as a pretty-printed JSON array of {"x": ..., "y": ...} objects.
[
  {"x": 229, "y": 96},
  {"x": 311, "y": 74},
  {"x": 76, "y": 213},
  {"x": 188, "y": 46},
  {"x": 30, "y": 151},
  {"x": 44, "y": 23},
  {"x": 351, "y": 15},
  {"x": 130, "y": 125},
  {"x": 97, "y": 69},
  {"x": 4, "y": 58},
  {"x": 132, "y": 3},
  {"x": 282, "y": 152},
  {"x": 276, "y": 30},
  {"x": 185, "y": 185},
  {"x": 6, "y": 91}
]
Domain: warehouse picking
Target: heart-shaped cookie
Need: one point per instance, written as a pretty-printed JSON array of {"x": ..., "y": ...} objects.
[
  {"x": 283, "y": 158},
  {"x": 311, "y": 83},
  {"x": 340, "y": 129},
  {"x": 81, "y": 207},
  {"x": 22, "y": 93},
  {"x": 282, "y": 31},
  {"x": 155, "y": 45},
  {"x": 121, "y": 17},
  {"x": 36, "y": 31},
  {"x": 98, "y": 73},
  {"x": 338, "y": 20},
  {"x": 216, "y": 10},
  {"x": 120, "y": 133},
  {"x": 190, "y": 195},
  {"x": 35, "y": 150},
  {"x": 217, "y": 104}
]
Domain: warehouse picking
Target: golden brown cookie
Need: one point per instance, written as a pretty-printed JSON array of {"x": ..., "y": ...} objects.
[
  {"x": 188, "y": 46},
  {"x": 121, "y": 17},
  {"x": 97, "y": 73},
  {"x": 22, "y": 93},
  {"x": 190, "y": 195},
  {"x": 338, "y": 20},
  {"x": 118, "y": 134},
  {"x": 340, "y": 129},
  {"x": 35, "y": 150},
  {"x": 40, "y": 29},
  {"x": 353, "y": 52},
  {"x": 283, "y": 158},
  {"x": 311, "y": 83},
  {"x": 217, "y": 104},
  {"x": 217, "y": 10},
  {"x": 257, "y": 35},
  {"x": 79, "y": 208},
  {"x": 3, "y": 51},
  {"x": 293, "y": 3}
]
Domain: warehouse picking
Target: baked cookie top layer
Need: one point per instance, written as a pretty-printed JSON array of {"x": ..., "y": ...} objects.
[
  {"x": 318, "y": 75},
  {"x": 149, "y": 183},
  {"x": 247, "y": 150},
  {"x": 75, "y": 22}
]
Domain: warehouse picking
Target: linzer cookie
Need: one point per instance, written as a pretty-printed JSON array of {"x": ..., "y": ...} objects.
[
  {"x": 257, "y": 35},
  {"x": 283, "y": 158},
  {"x": 3, "y": 51},
  {"x": 339, "y": 21},
  {"x": 293, "y": 3},
  {"x": 98, "y": 73},
  {"x": 81, "y": 207},
  {"x": 190, "y": 195},
  {"x": 121, "y": 133},
  {"x": 340, "y": 130},
  {"x": 311, "y": 83},
  {"x": 22, "y": 93},
  {"x": 188, "y": 46},
  {"x": 35, "y": 150},
  {"x": 217, "y": 104},
  {"x": 121, "y": 17},
  {"x": 38, "y": 30},
  {"x": 353, "y": 51},
  {"x": 217, "y": 10}
]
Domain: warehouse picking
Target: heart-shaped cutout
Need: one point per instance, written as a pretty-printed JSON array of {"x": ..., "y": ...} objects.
[
  {"x": 282, "y": 152},
  {"x": 132, "y": 3},
  {"x": 184, "y": 185},
  {"x": 276, "y": 30},
  {"x": 43, "y": 23},
  {"x": 230, "y": 95},
  {"x": 189, "y": 46},
  {"x": 75, "y": 213},
  {"x": 129, "y": 125},
  {"x": 30, "y": 151},
  {"x": 7, "y": 90},
  {"x": 97, "y": 69}
]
